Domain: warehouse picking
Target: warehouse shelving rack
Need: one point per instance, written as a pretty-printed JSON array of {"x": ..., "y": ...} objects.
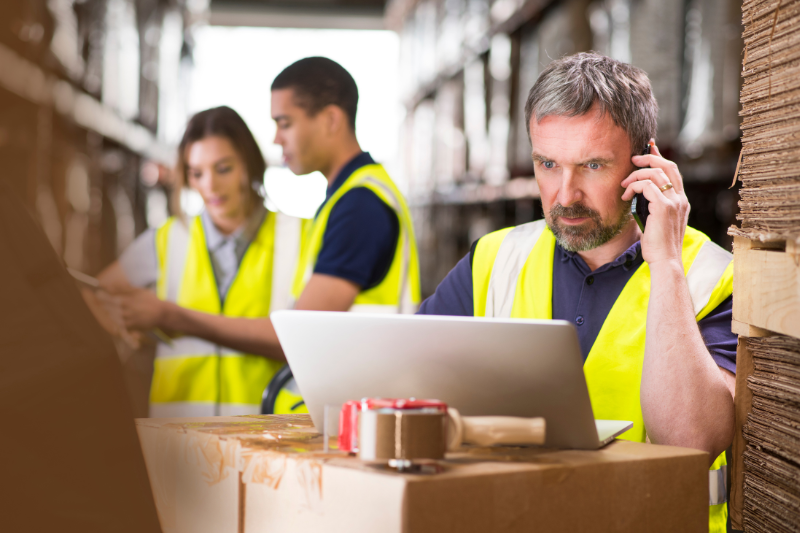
[
  {"x": 88, "y": 163},
  {"x": 74, "y": 154}
]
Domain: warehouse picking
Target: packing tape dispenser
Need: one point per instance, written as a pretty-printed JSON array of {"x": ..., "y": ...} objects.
[{"x": 401, "y": 431}]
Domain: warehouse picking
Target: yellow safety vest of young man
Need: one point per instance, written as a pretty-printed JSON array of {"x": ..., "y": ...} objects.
[
  {"x": 194, "y": 377},
  {"x": 512, "y": 277},
  {"x": 398, "y": 292}
]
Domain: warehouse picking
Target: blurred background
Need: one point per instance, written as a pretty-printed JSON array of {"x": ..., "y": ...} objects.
[{"x": 94, "y": 96}]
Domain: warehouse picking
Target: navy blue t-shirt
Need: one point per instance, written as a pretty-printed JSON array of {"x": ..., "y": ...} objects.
[
  {"x": 585, "y": 298},
  {"x": 361, "y": 235}
]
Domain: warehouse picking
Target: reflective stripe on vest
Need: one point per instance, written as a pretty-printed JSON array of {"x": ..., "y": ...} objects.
[
  {"x": 718, "y": 485},
  {"x": 399, "y": 290},
  {"x": 194, "y": 377},
  {"x": 288, "y": 234},
  {"x": 512, "y": 273}
]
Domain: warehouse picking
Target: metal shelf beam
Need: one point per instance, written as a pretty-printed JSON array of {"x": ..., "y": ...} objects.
[{"x": 28, "y": 81}]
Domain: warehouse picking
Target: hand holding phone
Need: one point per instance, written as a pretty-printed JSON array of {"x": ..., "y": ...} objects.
[{"x": 640, "y": 205}]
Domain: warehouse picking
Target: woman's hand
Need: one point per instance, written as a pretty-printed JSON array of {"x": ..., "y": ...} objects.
[
  {"x": 662, "y": 240},
  {"x": 107, "y": 312},
  {"x": 140, "y": 309}
]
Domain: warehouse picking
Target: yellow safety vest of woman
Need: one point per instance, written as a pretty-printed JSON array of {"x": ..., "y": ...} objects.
[
  {"x": 512, "y": 277},
  {"x": 399, "y": 291},
  {"x": 194, "y": 377}
]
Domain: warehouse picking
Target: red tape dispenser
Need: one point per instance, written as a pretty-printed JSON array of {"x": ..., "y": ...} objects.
[{"x": 402, "y": 431}]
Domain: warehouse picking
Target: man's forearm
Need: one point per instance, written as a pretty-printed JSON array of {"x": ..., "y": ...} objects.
[
  {"x": 685, "y": 401},
  {"x": 249, "y": 335},
  {"x": 255, "y": 335}
]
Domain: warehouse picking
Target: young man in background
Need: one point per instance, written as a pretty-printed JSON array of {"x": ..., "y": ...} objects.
[{"x": 359, "y": 252}]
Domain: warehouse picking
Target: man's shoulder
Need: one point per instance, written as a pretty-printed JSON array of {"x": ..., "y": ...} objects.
[
  {"x": 361, "y": 203},
  {"x": 375, "y": 179},
  {"x": 694, "y": 238},
  {"x": 360, "y": 216}
]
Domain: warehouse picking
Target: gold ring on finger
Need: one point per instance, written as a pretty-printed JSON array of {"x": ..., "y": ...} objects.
[{"x": 665, "y": 187}]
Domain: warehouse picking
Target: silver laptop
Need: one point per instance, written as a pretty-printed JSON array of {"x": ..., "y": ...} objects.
[{"x": 479, "y": 366}]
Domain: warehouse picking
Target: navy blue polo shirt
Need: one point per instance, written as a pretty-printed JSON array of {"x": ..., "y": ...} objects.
[
  {"x": 361, "y": 235},
  {"x": 585, "y": 298}
]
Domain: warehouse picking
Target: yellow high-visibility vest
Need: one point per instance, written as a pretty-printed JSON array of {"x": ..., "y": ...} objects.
[
  {"x": 512, "y": 277},
  {"x": 194, "y": 377},
  {"x": 399, "y": 291}
]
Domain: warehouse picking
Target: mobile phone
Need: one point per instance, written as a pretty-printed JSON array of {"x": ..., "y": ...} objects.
[{"x": 640, "y": 205}]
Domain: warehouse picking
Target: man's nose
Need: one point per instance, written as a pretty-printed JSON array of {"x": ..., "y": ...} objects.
[{"x": 569, "y": 192}]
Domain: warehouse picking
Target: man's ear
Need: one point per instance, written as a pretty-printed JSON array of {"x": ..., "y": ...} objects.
[{"x": 335, "y": 118}]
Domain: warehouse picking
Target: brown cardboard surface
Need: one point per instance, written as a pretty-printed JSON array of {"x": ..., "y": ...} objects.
[
  {"x": 195, "y": 465},
  {"x": 768, "y": 165},
  {"x": 742, "y": 403},
  {"x": 772, "y": 431},
  {"x": 259, "y": 474},
  {"x": 71, "y": 457}
]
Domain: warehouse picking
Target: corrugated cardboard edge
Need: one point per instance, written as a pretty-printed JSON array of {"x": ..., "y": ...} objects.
[{"x": 742, "y": 404}]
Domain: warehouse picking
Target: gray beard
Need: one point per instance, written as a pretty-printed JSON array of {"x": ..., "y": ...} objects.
[{"x": 586, "y": 236}]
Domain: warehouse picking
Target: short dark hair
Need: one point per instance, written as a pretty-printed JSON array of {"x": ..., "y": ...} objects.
[
  {"x": 226, "y": 123},
  {"x": 318, "y": 82},
  {"x": 570, "y": 86}
]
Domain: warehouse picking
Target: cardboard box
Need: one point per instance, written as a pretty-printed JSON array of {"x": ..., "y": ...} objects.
[
  {"x": 268, "y": 473},
  {"x": 742, "y": 403},
  {"x": 71, "y": 457}
]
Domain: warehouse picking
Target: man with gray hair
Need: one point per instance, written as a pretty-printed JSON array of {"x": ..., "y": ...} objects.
[{"x": 652, "y": 307}]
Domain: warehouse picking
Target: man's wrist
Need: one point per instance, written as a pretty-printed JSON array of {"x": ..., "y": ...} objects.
[
  {"x": 667, "y": 275},
  {"x": 668, "y": 286},
  {"x": 666, "y": 267}
]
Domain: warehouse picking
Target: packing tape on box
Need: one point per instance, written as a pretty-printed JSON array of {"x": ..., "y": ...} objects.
[{"x": 396, "y": 434}]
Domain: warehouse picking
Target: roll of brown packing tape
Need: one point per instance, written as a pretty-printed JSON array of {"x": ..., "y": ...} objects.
[{"x": 386, "y": 434}]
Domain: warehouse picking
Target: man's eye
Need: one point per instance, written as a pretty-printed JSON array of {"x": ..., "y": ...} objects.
[
  {"x": 224, "y": 170},
  {"x": 549, "y": 165},
  {"x": 594, "y": 166}
]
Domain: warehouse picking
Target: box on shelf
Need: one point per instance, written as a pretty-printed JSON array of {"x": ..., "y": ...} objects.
[
  {"x": 768, "y": 166},
  {"x": 766, "y": 282},
  {"x": 766, "y": 450},
  {"x": 766, "y": 279},
  {"x": 269, "y": 473}
]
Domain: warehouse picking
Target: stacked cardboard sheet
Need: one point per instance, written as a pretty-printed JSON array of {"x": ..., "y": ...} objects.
[
  {"x": 770, "y": 163},
  {"x": 772, "y": 457}
]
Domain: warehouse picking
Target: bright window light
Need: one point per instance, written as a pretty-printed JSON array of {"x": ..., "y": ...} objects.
[
  {"x": 298, "y": 196},
  {"x": 236, "y": 66}
]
